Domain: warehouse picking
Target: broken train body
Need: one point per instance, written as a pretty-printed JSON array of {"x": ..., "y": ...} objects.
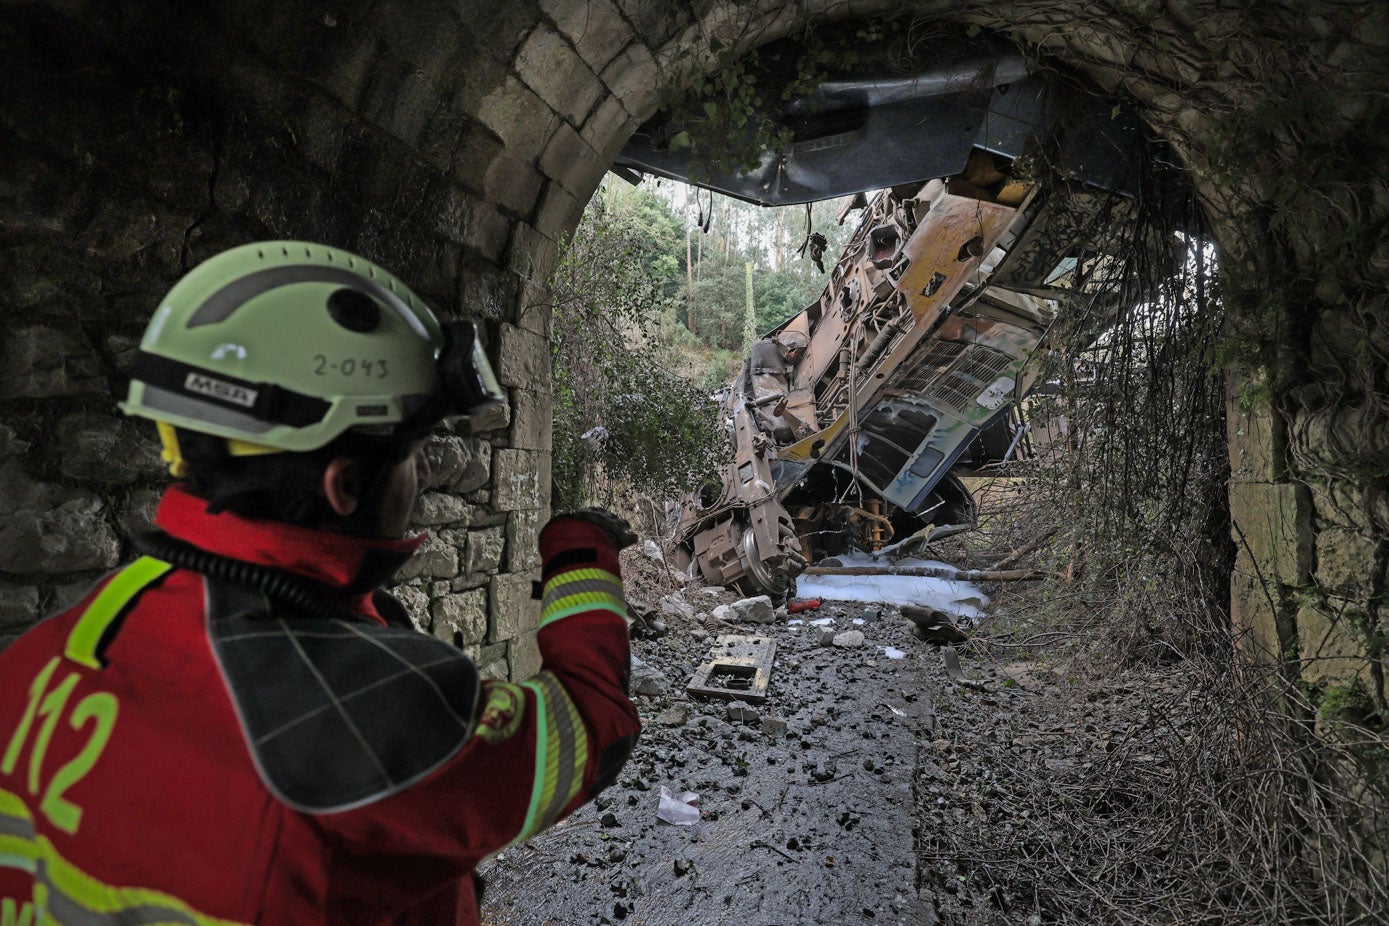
[{"x": 922, "y": 340}]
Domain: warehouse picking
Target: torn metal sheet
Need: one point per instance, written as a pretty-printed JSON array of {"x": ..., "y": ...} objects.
[{"x": 740, "y": 670}]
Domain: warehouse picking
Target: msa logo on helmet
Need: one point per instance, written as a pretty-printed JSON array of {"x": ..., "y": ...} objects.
[{"x": 219, "y": 389}]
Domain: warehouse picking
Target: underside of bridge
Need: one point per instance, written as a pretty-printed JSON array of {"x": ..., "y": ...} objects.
[{"x": 457, "y": 143}]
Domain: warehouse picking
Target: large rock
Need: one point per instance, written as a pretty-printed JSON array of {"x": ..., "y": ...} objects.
[
  {"x": 675, "y": 606},
  {"x": 461, "y": 618},
  {"x": 38, "y": 362},
  {"x": 459, "y": 464},
  {"x": 522, "y": 535},
  {"x": 757, "y": 610},
  {"x": 102, "y": 448},
  {"x": 513, "y": 610},
  {"x": 47, "y": 528},
  {"x": 416, "y": 603},
  {"x": 19, "y": 607},
  {"x": 434, "y": 508},
  {"x": 485, "y": 550},
  {"x": 10, "y": 444},
  {"x": 436, "y": 559}
]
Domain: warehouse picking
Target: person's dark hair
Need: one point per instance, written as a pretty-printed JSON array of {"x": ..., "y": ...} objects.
[{"x": 284, "y": 486}]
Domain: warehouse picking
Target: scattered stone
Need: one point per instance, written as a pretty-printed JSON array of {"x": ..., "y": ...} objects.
[
  {"x": 714, "y": 725},
  {"x": 683, "y": 866},
  {"x": 773, "y": 726},
  {"x": 646, "y": 680},
  {"x": 848, "y": 639},
  {"x": 676, "y": 716},
  {"x": 608, "y": 820},
  {"x": 757, "y": 610},
  {"x": 699, "y": 635},
  {"x": 871, "y": 614},
  {"x": 827, "y": 636},
  {"x": 714, "y": 591},
  {"x": 725, "y": 613},
  {"x": 742, "y": 712},
  {"x": 675, "y": 606}
]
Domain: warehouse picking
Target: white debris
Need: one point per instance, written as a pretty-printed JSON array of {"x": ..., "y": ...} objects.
[
  {"x": 822, "y": 621},
  {"x": 892, "y": 652},
  {"x": 963, "y": 599},
  {"x": 678, "y": 810},
  {"x": 651, "y": 551}
]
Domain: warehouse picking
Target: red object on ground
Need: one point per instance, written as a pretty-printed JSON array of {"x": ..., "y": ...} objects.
[{"x": 807, "y": 604}]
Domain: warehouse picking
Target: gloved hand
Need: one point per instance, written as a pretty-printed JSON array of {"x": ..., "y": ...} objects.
[{"x": 619, "y": 530}]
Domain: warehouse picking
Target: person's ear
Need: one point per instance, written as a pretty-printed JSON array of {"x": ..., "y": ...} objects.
[{"x": 342, "y": 486}]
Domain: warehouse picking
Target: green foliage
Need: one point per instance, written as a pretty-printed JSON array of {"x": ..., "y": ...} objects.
[
  {"x": 616, "y": 291},
  {"x": 719, "y": 299}
]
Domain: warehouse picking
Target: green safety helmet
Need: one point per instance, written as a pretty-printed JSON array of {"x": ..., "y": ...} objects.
[{"x": 285, "y": 345}]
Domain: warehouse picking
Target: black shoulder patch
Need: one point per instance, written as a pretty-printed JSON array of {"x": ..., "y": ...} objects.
[{"x": 337, "y": 713}]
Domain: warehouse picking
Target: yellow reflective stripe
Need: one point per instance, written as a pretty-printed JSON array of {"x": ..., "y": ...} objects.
[
  {"x": 561, "y": 753},
  {"x": 568, "y": 589},
  {"x": 73, "y": 897},
  {"x": 17, "y": 852},
  {"x": 12, "y": 806},
  {"x": 584, "y": 601},
  {"x": 17, "y": 849},
  {"x": 542, "y": 740},
  {"x": 129, "y": 582},
  {"x": 578, "y": 575},
  {"x": 82, "y": 889}
]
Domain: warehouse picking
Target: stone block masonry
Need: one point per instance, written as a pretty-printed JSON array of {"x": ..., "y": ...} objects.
[{"x": 126, "y": 165}]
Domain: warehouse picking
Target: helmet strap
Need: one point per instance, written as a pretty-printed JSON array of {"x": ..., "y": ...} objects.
[{"x": 172, "y": 453}]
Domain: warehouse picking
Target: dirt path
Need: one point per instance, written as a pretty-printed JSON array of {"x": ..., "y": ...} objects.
[{"x": 810, "y": 825}]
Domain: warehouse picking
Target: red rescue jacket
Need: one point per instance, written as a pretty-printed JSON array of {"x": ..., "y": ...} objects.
[{"x": 188, "y": 746}]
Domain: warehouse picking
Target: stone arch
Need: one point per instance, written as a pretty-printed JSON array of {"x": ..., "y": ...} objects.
[{"x": 458, "y": 142}]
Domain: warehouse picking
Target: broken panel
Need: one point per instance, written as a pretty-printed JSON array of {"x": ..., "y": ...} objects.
[{"x": 740, "y": 670}]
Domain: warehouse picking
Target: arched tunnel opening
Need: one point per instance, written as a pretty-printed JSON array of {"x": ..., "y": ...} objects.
[{"x": 1062, "y": 764}]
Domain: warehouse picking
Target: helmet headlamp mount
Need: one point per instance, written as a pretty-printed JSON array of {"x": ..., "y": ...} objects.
[{"x": 467, "y": 384}]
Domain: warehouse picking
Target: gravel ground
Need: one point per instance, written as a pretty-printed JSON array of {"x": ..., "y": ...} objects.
[
  {"x": 866, "y": 788},
  {"x": 806, "y": 805}
]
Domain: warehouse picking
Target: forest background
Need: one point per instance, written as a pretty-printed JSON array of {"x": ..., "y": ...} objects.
[{"x": 658, "y": 296}]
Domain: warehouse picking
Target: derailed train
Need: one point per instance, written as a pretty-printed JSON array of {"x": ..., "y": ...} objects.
[{"x": 924, "y": 338}]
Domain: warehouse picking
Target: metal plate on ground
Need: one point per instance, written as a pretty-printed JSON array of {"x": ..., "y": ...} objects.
[{"x": 740, "y": 669}]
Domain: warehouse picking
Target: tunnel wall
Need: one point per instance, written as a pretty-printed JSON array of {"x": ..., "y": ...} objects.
[
  {"x": 141, "y": 140},
  {"x": 457, "y": 143}
]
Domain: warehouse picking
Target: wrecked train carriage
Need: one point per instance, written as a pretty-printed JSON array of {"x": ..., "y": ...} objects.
[{"x": 915, "y": 347}]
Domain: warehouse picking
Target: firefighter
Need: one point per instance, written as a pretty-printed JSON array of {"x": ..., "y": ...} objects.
[
  {"x": 241, "y": 726},
  {"x": 771, "y": 366}
]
